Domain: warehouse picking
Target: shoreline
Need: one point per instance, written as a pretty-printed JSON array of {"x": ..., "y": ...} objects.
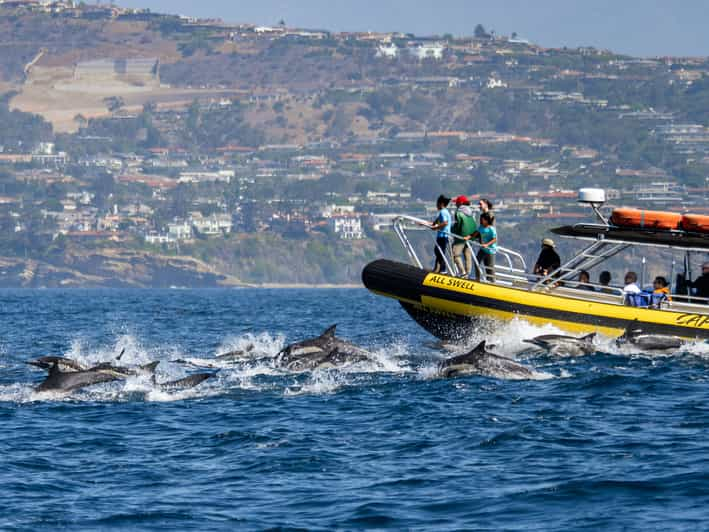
[
  {"x": 304, "y": 285},
  {"x": 223, "y": 287}
]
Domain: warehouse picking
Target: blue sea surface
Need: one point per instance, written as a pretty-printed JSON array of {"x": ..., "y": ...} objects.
[{"x": 615, "y": 440}]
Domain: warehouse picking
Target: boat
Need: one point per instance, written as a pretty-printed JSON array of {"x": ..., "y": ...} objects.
[{"x": 450, "y": 306}]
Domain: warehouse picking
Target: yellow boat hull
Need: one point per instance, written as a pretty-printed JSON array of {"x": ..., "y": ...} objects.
[{"x": 449, "y": 306}]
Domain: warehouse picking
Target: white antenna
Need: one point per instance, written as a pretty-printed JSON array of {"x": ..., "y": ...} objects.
[{"x": 595, "y": 197}]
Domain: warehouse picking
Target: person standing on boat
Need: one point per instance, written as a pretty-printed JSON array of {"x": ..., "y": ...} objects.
[
  {"x": 464, "y": 225},
  {"x": 701, "y": 283},
  {"x": 548, "y": 259},
  {"x": 488, "y": 246},
  {"x": 485, "y": 206},
  {"x": 442, "y": 224}
]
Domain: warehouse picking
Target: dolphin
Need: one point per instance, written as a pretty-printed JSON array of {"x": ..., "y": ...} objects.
[
  {"x": 480, "y": 361},
  {"x": 237, "y": 354},
  {"x": 183, "y": 384},
  {"x": 123, "y": 371},
  {"x": 68, "y": 381},
  {"x": 635, "y": 335},
  {"x": 320, "y": 352},
  {"x": 560, "y": 344},
  {"x": 68, "y": 365},
  {"x": 65, "y": 364}
]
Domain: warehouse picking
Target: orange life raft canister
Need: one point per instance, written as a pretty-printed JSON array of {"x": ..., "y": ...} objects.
[
  {"x": 696, "y": 223},
  {"x": 643, "y": 219}
]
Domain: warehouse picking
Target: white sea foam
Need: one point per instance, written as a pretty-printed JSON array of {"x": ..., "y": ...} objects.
[
  {"x": 319, "y": 383},
  {"x": 253, "y": 345},
  {"x": 257, "y": 370}
]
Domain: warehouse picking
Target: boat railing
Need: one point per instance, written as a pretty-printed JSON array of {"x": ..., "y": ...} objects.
[
  {"x": 595, "y": 288},
  {"x": 510, "y": 265}
]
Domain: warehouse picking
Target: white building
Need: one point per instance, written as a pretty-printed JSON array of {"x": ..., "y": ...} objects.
[
  {"x": 388, "y": 50},
  {"x": 347, "y": 227},
  {"x": 212, "y": 225},
  {"x": 427, "y": 51},
  {"x": 155, "y": 238},
  {"x": 334, "y": 210},
  {"x": 180, "y": 230},
  {"x": 224, "y": 176},
  {"x": 493, "y": 83}
]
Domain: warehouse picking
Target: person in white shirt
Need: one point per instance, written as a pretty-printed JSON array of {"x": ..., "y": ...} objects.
[{"x": 631, "y": 286}]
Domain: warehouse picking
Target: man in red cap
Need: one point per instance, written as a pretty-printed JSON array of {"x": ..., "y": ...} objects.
[{"x": 463, "y": 225}]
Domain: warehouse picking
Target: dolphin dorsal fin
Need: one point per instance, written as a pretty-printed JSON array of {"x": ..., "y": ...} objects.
[
  {"x": 633, "y": 329},
  {"x": 329, "y": 332},
  {"x": 150, "y": 366},
  {"x": 480, "y": 348},
  {"x": 54, "y": 369}
]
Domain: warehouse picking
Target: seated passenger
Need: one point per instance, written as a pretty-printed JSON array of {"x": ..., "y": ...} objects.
[
  {"x": 631, "y": 283},
  {"x": 585, "y": 278},
  {"x": 634, "y": 297},
  {"x": 660, "y": 286},
  {"x": 605, "y": 279},
  {"x": 548, "y": 259}
]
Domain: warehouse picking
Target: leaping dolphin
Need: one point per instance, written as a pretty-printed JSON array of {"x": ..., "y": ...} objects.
[
  {"x": 237, "y": 354},
  {"x": 61, "y": 381},
  {"x": 320, "y": 352},
  {"x": 635, "y": 335},
  {"x": 559, "y": 344},
  {"x": 480, "y": 361},
  {"x": 185, "y": 383},
  {"x": 65, "y": 364},
  {"x": 68, "y": 365}
]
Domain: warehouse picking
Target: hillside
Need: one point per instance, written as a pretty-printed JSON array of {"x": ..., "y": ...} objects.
[{"x": 157, "y": 136}]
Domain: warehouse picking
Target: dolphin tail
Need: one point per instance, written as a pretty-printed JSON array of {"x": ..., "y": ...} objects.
[
  {"x": 121, "y": 353},
  {"x": 588, "y": 337}
]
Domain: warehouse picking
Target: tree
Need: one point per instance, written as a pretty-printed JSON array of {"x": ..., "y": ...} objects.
[
  {"x": 480, "y": 32},
  {"x": 80, "y": 120}
]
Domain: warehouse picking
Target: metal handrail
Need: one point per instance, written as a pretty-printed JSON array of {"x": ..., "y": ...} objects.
[
  {"x": 509, "y": 255},
  {"x": 559, "y": 278}
]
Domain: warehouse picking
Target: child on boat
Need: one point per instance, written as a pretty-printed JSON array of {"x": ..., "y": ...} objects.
[{"x": 488, "y": 246}]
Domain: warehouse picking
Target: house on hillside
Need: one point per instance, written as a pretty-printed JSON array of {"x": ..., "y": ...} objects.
[
  {"x": 427, "y": 51},
  {"x": 387, "y": 50},
  {"x": 346, "y": 226}
]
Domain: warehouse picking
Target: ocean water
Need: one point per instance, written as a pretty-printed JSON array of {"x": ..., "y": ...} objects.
[{"x": 618, "y": 439}]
